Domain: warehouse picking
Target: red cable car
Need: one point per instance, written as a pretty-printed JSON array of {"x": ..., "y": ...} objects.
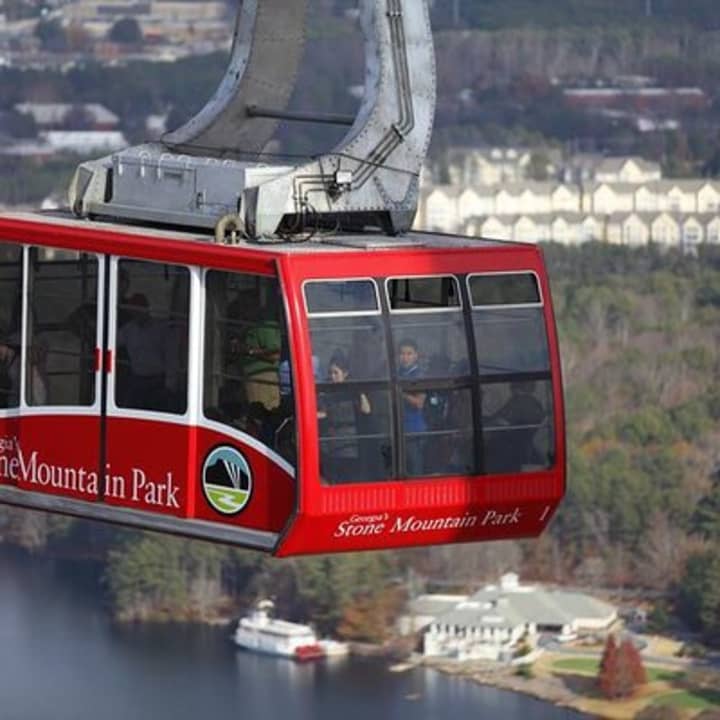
[{"x": 351, "y": 392}]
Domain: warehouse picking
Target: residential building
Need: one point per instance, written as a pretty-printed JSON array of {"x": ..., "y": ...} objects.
[
  {"x": 671, "y": 212},
  {"x": 64, "y": 116},
  {"x": 626, "y": 170},
  {"x": 639, "y": 99},
  {"x": 83, "y": 142},
  {"x": 684, "y": 231},
  {"x": 424, "y": 609},
  {"x": 489, "y": 166}
]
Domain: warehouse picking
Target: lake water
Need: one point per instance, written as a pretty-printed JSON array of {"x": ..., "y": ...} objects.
[{"x": 62, "y": 658}]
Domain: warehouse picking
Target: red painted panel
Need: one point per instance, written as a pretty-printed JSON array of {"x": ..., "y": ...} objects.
[
  {"x": 407, "y": 261},
  {"x": 422, "y": 525},
  {"x": 151, "y": 466},
  {"x": 147, "y": 465},
  {"x": 272, "y": 499},
  {"x": 114, "y": 240},
  {"x": 59, "y": 455},
  {"x": 157, "y": 467},
  {"x": 556, "y": 366},
  {"x": 9, "y": 447}
]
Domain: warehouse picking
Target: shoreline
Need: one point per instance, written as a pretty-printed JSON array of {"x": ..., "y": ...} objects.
[
  {"x": 572, "y": 690},
  {"x": 546, "y": 689}
]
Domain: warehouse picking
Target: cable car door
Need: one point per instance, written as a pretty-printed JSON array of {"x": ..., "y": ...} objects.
[
  {"x": 147, "y": 436},
  {"x": 56, "y": 450}
]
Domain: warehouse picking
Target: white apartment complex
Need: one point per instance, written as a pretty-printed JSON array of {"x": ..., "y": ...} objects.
[{"x": 625, "y": 202}]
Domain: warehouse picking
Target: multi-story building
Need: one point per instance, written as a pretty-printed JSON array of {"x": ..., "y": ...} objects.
[{"x": 632, "y": 205}]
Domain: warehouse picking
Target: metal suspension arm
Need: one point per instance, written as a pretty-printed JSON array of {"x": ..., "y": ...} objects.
[{"x": 199, "y": 173}]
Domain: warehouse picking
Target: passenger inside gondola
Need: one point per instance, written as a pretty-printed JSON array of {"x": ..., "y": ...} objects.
[
  {"x": 260, "y": 360},
  {"x": 513, "y": 430},
  {"x": 247, "y": 385},
  {"x": 152, "y": 337},
  {"x": 342, "y": 414},
  {"x": 145, "y": 339},
  {"x": 414, "y": 421}
]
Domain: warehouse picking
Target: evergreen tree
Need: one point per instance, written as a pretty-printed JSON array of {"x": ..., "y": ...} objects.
[
  {"x": 706, "y": 519},
  {"x": 126, "y": 31},
  {"x": 699, "y": 597},
  {"x": 51, "y": 35}
]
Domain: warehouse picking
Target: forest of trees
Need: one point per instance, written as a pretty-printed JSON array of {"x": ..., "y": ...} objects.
[{"x": 640, "y": 339}]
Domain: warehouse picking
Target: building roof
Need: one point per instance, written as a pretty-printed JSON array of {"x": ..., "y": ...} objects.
[
  {"x": 434, "y": 605},
  {"x": 476, "y": 613},
  {"x": 616, "y": 164},
  {"x": 617, "y": 187},
  {"x": 509, "y": 607},
  {"x": 449, "y": 191},
  {"x": 683, "y": 184},
  {"x": 539, "y": 187}
]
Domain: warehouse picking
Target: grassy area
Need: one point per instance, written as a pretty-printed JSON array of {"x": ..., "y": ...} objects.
[
  {"x": 690, "y": 699},
  {"x": 583, "y": 666},
  {"x": 590, "y": 666}
]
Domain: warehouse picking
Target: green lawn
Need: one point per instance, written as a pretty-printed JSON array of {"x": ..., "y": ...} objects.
[
  {"x": 590, "y": 666},
  {"x": 584, "y": 666},
  {"x": 691, "y": 699}
]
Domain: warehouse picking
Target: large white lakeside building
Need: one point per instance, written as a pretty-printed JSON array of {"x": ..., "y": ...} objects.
[{"x": 490, "y": 624}]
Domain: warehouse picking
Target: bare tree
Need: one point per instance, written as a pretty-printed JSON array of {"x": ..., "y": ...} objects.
[{"x": 663, "y": 553}]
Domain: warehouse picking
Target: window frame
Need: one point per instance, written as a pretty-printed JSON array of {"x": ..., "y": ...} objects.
[
  {"x": 340, "y": 313},
  {"x": 384, "y": 385},
  {"x": 100, "y": 299},
  {"x": 201, "y": 348},
  {"x": 21, "y": 355},
  {"x": 113, "y": 302},
  {"x": 460, "y": 307},
  {"x": 509, "y": 306}
]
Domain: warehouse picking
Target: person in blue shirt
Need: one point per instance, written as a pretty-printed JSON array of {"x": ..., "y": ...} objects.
[{"x": 414, "y": 422}]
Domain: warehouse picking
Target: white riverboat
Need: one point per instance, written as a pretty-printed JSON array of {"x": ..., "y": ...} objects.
[{"x": 262, "y": 633}]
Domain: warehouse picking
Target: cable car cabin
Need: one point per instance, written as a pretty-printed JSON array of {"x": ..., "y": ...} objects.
[{"x": 348, "y": 393}]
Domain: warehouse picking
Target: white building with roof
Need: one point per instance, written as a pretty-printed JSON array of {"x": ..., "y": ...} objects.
[
  {"x": 422, "y": 611},
  {"x": 627, "y": 170},
  {"x": 489, "y": 165},
  {"x": 83, "y": 142},
  {"x": 489, "y": 624},
  {"x": 49, "y": 116}
]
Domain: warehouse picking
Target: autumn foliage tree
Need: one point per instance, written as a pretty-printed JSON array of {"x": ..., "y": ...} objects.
[
  {"x": 608, "y": 667},
  {"x": 621, "y": 669},
  {"x": 368, "y": 618}
]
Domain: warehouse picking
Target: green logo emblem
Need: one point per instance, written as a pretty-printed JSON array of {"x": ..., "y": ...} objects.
[{"x": 227, "y": 480}]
